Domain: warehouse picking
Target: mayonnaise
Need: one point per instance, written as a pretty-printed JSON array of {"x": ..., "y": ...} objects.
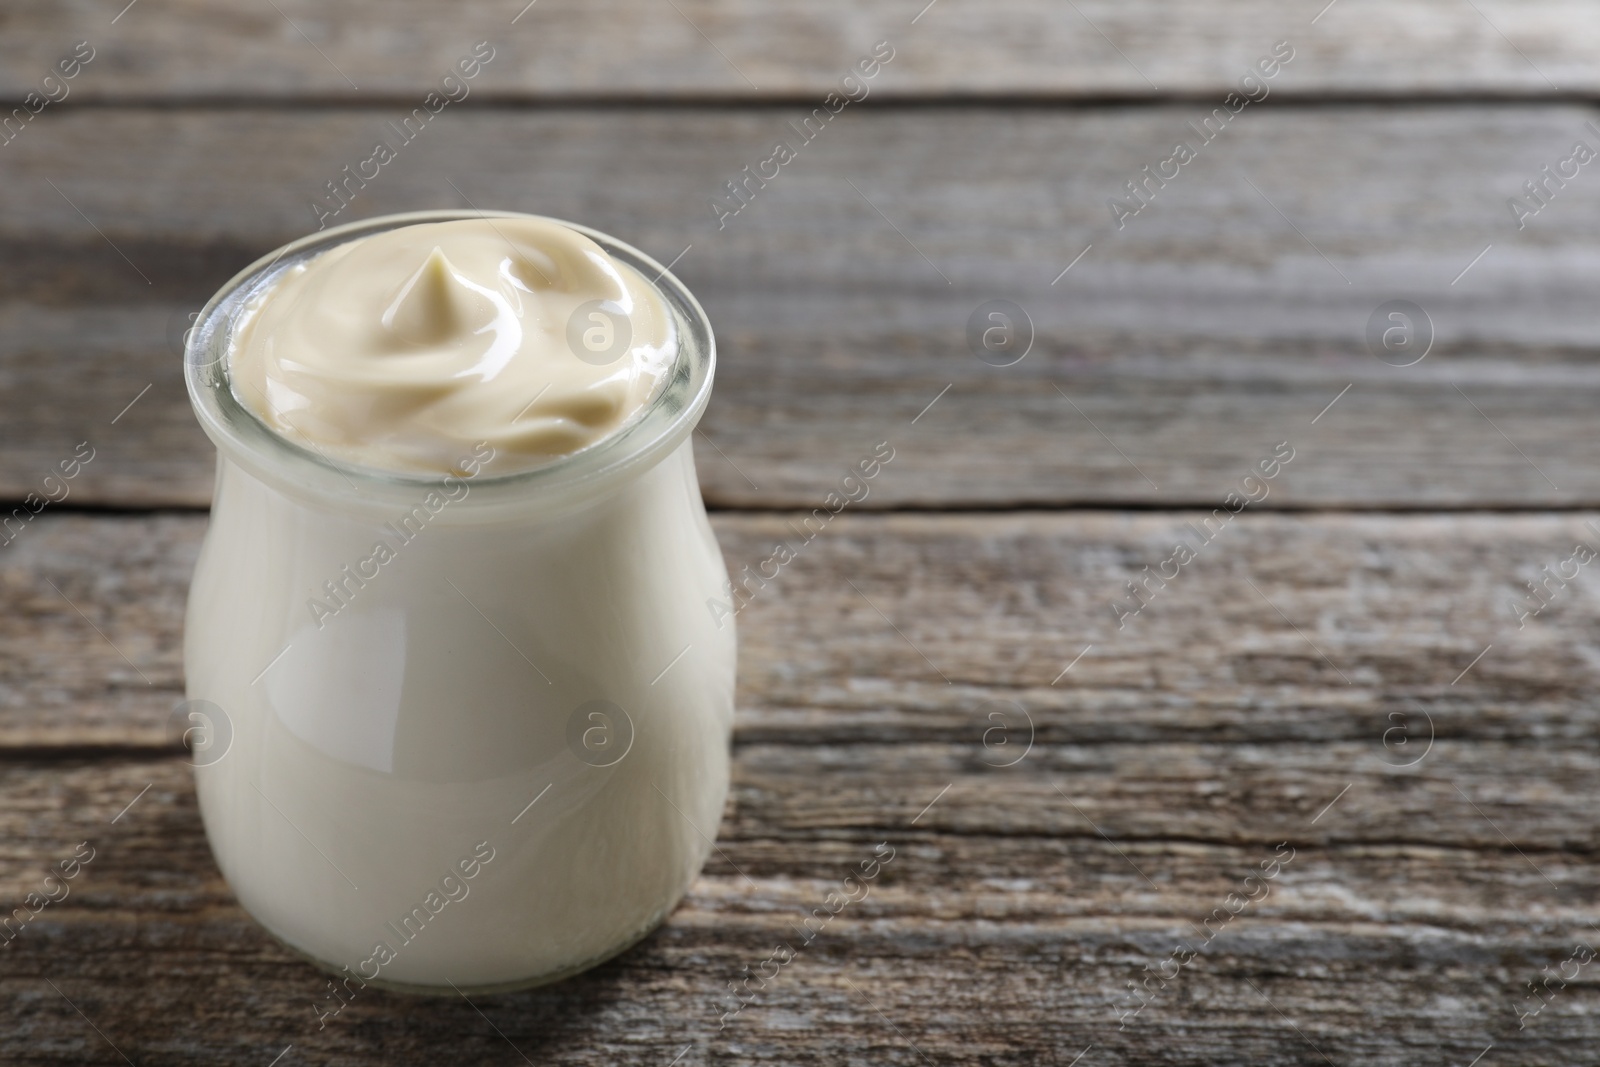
[
  {"x": 403, "y": 349},
  {"x": 475, "y": 705}
]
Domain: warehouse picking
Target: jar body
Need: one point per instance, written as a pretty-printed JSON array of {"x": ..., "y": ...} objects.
[{"x": 479, "y": 754}]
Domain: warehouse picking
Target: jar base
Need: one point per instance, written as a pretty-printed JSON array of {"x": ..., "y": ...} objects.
[{"x": 514, "y": 985}]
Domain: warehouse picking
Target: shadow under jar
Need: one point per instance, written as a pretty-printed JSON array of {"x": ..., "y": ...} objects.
[{"x": 496, "y": 754}]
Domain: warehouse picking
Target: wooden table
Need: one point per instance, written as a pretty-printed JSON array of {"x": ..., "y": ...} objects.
[{"x": 1341, "y": 680}]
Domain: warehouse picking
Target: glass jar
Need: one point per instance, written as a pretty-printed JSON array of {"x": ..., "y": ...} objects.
[{"x": 471, "y": 732}]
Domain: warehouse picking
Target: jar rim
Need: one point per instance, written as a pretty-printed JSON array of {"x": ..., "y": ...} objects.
[{"x": 241, "y": 434}]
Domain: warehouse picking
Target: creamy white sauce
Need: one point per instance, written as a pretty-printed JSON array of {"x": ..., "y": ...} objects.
[
  {"x": 401, "y": 349},
  {"x": 396, "y": 716}
]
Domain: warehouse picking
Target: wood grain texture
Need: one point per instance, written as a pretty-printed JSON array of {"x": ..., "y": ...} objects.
[
  {"x": 1430, "y": 881},
  {"x": 987, "y": 940},
  {"x": 1380, "y": 614},
  {"x": 1420, "y": 901},
  {"x": 744, "y": 50},
  {"x": 1071, "y": 789},
  {"x": 1169, "y": 360}
]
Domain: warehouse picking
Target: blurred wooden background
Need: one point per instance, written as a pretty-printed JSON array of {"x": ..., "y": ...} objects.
[{"x": 1342, "y": 670}]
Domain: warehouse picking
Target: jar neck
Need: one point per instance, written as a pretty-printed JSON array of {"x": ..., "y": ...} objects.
[{"x": 455, "y": 502}]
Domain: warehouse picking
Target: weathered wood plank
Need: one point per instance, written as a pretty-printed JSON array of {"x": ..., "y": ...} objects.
[
  {"x": 1008, "y": 944},
  {"x": 966, "y": 841},
  {"x": 1169, "y": 360},
  {"x": 631, "y": 48},
  {"x": 1381, "y": 615}
]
